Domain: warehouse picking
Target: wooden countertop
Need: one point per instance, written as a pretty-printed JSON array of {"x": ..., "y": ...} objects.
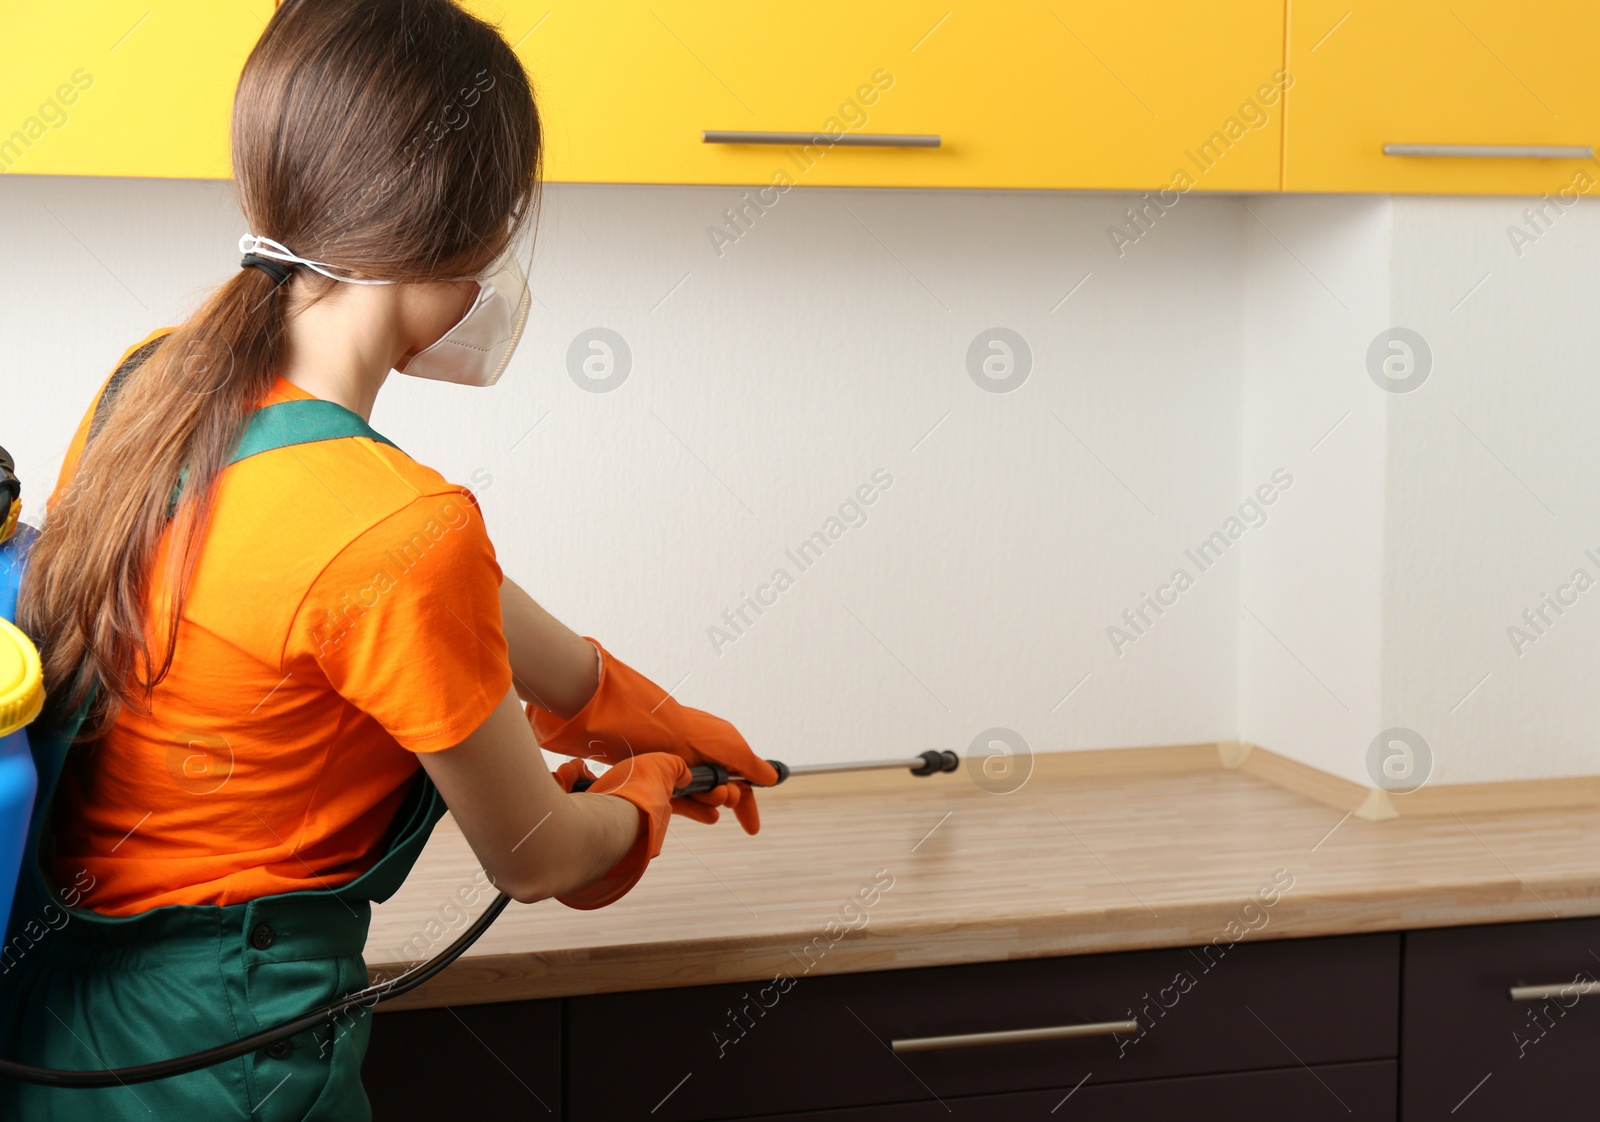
[{"x": 1099, "y": 851}]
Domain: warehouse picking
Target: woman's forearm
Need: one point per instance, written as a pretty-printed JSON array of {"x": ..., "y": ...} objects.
[
  {"x": 533, "y": 839},
  {"x": 599, "y": 832},
  {"x": 551, "y": 665}
]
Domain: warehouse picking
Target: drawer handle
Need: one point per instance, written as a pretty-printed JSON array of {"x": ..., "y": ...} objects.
[
  {"x": 1539, "y": 993},
  {"x": 1493, "y": 151},
  {"x": 843, "y": 140},
  {"x": 1014, "y": 1036}
]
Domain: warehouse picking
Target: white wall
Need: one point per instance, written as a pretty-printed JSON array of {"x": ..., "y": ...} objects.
[
  {"x": 766, "y": 387},
  {"x": 1493, "y": 484},
  {"x": 1311, "y": 632},
  {"x": 1432, "y": 519},
  {"x": 830, "y": 342}
]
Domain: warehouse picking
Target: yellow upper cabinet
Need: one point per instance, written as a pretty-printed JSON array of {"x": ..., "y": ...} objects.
[
  {"x": 122, "y": 87},
  {"x": 1064, "y": 93},
  {"x": 1431, "y": 76},
  {"x": 1018, "y": 93},
  {"x": 1070, "y": 93}
]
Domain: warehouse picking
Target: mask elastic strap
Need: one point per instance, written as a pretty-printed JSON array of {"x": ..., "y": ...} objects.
[{"x": 254, "y": 245}]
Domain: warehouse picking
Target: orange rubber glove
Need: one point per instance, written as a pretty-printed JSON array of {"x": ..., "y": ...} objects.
[
  {"x": 568, "y": 774},
  {"x": 629, "y": 713},
  {"x": 647, "y": 781}
]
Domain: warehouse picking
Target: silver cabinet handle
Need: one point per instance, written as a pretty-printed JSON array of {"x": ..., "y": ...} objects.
[
  {"x": 1014, "y": 1036},
  {"x": 1539, "y": 993},
  {"x": 843, "y": 140},
  {"x": 1494, "y": 151}
]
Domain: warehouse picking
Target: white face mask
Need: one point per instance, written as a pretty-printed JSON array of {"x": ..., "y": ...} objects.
[{"x": 476, "y": 351}]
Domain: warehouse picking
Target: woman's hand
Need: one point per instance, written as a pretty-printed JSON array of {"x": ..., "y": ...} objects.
[
  {"x": 647, "y": 781},
  {"x": 630, "y": 714},
  {"x": 570, "y": 772}
]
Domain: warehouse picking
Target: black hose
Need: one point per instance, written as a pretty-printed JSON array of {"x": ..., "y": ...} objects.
[{"x": 706, "y": 776}]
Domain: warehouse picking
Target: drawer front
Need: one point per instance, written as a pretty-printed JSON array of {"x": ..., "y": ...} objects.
[
  {"x": 1329, "y": 1093},
  {"x": 1471, "y": 1052},
  {"x": 497, "y": 1061},
  {"x": 819, "y": 1042}
]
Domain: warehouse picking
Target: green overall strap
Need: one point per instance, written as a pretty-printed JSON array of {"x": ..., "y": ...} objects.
[{"x": 305, "y": 421}]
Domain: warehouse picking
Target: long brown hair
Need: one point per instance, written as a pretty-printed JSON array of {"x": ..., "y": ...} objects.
[{"x": 397, "y": 139}]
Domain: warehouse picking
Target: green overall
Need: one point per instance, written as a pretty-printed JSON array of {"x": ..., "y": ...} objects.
[{"x": 81, "y": 990}]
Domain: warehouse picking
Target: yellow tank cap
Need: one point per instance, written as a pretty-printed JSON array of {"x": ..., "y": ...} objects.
[{"x": 21, "y": 680}]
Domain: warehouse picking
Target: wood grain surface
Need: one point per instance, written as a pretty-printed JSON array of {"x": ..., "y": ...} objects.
[{"x": 1097, "y": 851}]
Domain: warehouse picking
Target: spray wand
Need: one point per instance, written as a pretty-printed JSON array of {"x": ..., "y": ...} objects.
[{"x": 707, "y": 776}]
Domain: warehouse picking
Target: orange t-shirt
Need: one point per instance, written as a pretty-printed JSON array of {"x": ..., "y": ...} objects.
[{"x": 343, "y": 614}]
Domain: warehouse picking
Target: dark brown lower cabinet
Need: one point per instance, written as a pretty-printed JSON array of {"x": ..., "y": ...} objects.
[
  {"x": 1494, "y": 1022},
  {"x": 1363, "y": 1092},
  {"x": 820, "y": 1043},
  {"x": 493, "y": 1062},
  {"x": 1472, "y": 1048}
]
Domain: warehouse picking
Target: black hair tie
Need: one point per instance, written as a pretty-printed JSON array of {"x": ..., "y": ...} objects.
[{"x": 277, "y": 270}]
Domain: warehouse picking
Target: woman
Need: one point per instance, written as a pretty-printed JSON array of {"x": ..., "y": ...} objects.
[{"x": 288, "y": 640}]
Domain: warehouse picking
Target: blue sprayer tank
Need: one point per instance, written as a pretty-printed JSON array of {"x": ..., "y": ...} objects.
[{"x": 21, "y": 697}]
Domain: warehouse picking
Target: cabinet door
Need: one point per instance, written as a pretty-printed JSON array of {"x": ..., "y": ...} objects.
[
  {"x": 489, "y": 1061},
  {"x": 1330, "y": 1093},
  {"x": 1021, "y": 94},
  {"x": 1367, "y": 73},
  {"x": 122, "y": 87},
  {"x": 1501, "y": 1021}
]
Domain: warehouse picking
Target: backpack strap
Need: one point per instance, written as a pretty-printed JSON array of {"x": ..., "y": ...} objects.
[{"x": 119, "y": 376}]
